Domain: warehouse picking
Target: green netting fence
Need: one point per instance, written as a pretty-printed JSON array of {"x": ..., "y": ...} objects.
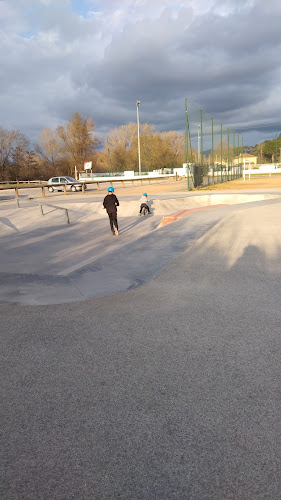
[{"x": 214, "y": 153}]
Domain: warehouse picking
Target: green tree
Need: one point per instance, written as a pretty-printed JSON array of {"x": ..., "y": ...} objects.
[{"x": 269, "y": 149}]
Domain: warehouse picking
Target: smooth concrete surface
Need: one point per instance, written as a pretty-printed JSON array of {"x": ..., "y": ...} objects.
[
  {"x": 170, "y": 390},
  {"x": 44, "y": 260}
]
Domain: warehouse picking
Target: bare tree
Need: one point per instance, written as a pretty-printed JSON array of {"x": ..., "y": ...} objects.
[
  {"x": 32, "y": 167},
  {"x": 13, "y": 147},
  {"x": 50, "y": 147},
  {"x": 77, "y": 140},
  {"x": 221, "y": 151},
  {"x": 122, "y": 145},
  {"x": 126, "y": 136},
  {"x": 176, "y": 141}
]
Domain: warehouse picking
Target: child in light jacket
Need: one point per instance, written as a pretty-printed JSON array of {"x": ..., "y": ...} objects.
[{"x": 144, "y": 204}]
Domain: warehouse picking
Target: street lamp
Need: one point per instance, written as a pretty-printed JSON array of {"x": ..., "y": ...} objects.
[{"x": 137, "y": 104}]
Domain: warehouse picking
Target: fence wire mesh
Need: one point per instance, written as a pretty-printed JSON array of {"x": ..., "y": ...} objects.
[{"x": 214, "y": 152}]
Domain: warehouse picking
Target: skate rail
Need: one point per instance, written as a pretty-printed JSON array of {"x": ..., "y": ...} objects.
[{"x": 56, "y": 208}]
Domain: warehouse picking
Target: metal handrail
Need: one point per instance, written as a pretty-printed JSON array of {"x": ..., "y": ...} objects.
[{"x": 54, "y": 206}]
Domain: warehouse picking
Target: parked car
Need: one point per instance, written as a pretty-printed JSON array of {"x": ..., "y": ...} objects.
[{"x": 57, "y": 183}]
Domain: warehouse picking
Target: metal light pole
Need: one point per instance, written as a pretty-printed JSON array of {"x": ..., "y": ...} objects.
[{"x": 137, "y": 104}]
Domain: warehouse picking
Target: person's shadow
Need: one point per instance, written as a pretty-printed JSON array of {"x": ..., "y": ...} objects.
[
  {"x": 139, "y": 220},
  {"x": 256, "y": 267}
]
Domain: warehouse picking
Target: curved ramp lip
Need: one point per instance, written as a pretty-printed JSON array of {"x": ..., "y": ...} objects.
[{"x": 167, "y": 219}]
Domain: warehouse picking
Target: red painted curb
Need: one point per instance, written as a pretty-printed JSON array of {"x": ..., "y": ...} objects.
[{"x": 178, "y": 215}]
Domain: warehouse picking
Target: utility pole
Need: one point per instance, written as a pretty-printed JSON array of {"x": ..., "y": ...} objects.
[{"x": 138, "y": 120}]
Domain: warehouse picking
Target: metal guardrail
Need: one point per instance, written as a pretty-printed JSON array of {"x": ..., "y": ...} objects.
[{"x": 111, "y": 182}]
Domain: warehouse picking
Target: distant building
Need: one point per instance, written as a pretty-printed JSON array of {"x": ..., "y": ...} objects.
[{"x": 250, "y": 160}]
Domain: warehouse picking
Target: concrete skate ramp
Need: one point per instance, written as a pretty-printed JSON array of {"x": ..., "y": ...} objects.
[
  {"x": 29, "y": 216},
  {"x": 46, "y": 261},
  {"x": 130, "y": 208},
  {"x": 168, "y": 206},
  {"x": 255, "y": 232}
]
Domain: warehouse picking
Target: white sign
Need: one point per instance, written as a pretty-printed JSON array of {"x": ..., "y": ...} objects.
[
  {"x": 129, "y": 173},
  {"x": 87, "y": 165}
]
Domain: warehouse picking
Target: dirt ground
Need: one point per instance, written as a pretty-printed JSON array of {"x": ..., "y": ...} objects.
[
  {"x": 273, "y": 182},
  {"x": 171, "y": 186},
  {"x": 163, "y": 186}
]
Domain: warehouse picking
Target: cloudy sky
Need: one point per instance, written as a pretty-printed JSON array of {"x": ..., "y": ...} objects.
[{"x": 98, "y": 57}]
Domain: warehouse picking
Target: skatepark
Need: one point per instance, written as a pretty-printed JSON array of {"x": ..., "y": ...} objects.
[{"x": 147, "y": 365}]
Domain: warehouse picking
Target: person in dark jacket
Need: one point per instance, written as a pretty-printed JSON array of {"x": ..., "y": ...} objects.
[{"x": 110, "y": 203}]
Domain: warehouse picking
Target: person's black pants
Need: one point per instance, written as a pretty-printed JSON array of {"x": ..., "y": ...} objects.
[
  {"x": 113, "y": 221},
  {"x": 143, "y": 206}
]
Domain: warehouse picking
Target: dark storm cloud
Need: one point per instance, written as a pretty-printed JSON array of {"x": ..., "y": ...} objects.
[
  {"x": 55, "y": 60},
  {"x": 218, "y": 61}
]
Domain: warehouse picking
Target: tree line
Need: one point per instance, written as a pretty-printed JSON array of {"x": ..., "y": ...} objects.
[
  {"x": 59, "y": 151},
  {"x": 267, "y": 151}
]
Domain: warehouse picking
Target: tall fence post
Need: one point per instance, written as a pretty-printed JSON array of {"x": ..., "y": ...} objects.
[
  {"x": 186, "y": 140},
  {"x": 201, "y": 141},
  {"x": 221, "y": 152},
  {"x": 213, "y": 180},
  {"x": 276, "y": 145},
  {"x": 228, "y": 154}
]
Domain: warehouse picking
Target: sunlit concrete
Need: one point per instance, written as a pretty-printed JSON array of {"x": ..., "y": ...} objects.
[{"x": 45, "y": 260}]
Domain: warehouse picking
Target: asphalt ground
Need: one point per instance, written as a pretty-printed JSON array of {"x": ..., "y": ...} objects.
[{"x": 168, "y": 390}]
